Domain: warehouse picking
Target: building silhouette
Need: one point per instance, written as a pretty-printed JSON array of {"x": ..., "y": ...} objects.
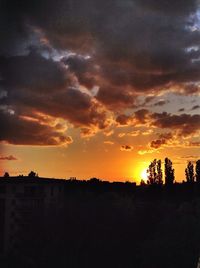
[{"x": 20, "y": 198}]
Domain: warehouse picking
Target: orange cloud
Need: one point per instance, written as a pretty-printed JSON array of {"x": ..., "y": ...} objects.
[{"x": 126, "y": 148}]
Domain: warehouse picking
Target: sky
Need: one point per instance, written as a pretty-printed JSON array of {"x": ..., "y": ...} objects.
[{"x": 98, "y": 88}]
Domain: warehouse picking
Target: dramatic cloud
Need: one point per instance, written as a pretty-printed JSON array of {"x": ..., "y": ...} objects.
[
  {"x": 140, "y": 117},
  {"x": 85, "y": 62},
  {"x": 37, "y": 84},
  {"x": 8, "y": 158},
  {"x": 163, "y": 140},
  {"x": 115, "y": 98},
  {"x": 33, "y": 73},
  {"x": 157, "y": 143},
  {"x": 186, "y": 124},
  {"x": 87, "y": 132},
  {"x": 148, "y": 38},
  {"x": 27, "y": 131},
  {"x": 84, "y": 68},
  {"x": 123, "y": 119}
]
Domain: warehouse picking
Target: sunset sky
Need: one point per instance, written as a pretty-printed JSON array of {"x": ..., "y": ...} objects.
[{"x": 98, "y": 88}]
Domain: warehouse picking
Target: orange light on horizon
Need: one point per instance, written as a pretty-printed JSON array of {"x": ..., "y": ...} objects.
[
  {"x": 144, "y": 175},
  {"x": 140, "y": 172}
]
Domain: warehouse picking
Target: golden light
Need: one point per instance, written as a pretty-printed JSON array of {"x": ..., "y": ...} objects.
[
  {"x": 144, "y": 175},
  {"x": 140, "y": 172}
]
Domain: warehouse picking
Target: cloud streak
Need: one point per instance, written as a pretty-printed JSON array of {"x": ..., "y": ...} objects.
[{"x": 8, "y": 158}]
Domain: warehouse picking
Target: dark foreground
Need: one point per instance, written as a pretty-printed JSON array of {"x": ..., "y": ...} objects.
[{"x": 102, "y": 226}]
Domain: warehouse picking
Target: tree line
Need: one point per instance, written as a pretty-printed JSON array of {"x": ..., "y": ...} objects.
[{"x": 155, "y": 173}]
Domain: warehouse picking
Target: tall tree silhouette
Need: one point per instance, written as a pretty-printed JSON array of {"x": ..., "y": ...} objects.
[
  {"x": 189, "y": 172},
  {"x": 169, "y": 172},
  {"x": 197, "y": 170},
  {"x": 155, "y": 173}
]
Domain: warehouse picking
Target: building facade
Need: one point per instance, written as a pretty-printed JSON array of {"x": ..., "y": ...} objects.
[{"x": 23, "y": 199}]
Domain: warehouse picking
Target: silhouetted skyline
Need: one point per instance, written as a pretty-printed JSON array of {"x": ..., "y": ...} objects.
[{"x": 70, "y": 223}]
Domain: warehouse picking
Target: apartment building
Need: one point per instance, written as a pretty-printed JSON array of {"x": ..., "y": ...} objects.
[{"x": 20, "y": 199}]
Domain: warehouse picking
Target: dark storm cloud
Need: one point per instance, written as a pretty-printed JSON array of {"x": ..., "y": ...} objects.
[
  {"x": 76, "y": 107},
  {"x": 178, "y": 7},
  {"x": 63, "y": 24},
  {"x": 84, "y": 69},
  {"x": 33, "y": 72},
  {"x": 116, "y": 98},
  {"x": 150, "y": 36},
  {"x": 38, "y": 84},
  {"x": 134, "y": 47}
]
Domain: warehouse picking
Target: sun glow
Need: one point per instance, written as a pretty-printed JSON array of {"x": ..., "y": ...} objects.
[
  {"x": 140, "y": 172},
  {"x": 144, "y": 175}
]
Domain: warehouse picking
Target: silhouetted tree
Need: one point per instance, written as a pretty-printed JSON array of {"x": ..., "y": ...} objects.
[
  {"x": 6, "y": 175},
  {"x": 169, "y": 172},
  {"x": 151, "y": 171},
  {"x": 142, "y": 183},
  {"x": 94, "y": 180},
  {"x": 159, "y": 173},
  {"x": 32, "y": 174},
  {"x": 197, "y": 169},
  {"x": 155, "y": 173},
  {"x": 189, "y": 172}
]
